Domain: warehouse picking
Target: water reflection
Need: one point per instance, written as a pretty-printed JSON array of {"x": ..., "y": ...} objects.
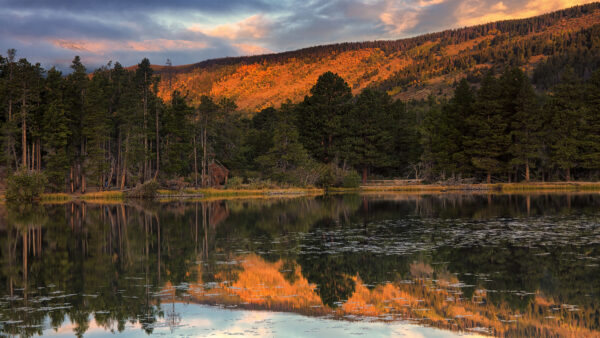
[{"x": 491, "y": 264}]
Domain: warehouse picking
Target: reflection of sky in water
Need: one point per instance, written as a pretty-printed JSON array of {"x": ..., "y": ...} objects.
[
  {"x": 202, "y": 320},
  {"x": 504, "y": 265}
]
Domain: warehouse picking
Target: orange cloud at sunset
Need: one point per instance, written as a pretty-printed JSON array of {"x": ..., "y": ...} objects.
[
  {"x": 253, "y": 27},
  {"x": 475, "y": 12}
]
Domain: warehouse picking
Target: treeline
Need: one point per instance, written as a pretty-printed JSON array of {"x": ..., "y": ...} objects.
[
  {"x": 109, "y": 129},
  {"x": 505, "y": 131}
]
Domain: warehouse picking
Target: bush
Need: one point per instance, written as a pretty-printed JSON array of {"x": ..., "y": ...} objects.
[
  {"x": 351, "y": 179},
  {"x": 328, "y": 177},
  {"x": 146, "y": 190},
  {"x": 25, "y": 186},
  {"x": 258, "y": 184},
  {"x": 235, "y": 182}
]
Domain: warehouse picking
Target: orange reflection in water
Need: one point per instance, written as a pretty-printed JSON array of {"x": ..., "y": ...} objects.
[{"x": 258, "y": 284}]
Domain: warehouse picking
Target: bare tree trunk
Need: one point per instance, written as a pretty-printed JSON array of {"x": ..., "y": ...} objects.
[
  {"x": 195, "y": 164},
  {"x": 71, "y": 180},
  {"x": 39, "y": 157},
  {"x": 364, "y": 174},
  {"x": 568, "y": 174},
  {"x": 31, "y": 157},
  {"x": 81, "y": 169},
  {"x": 24, "y": 130},
  {"x": 527, "y": 171},
  {"x": 157, "y": 148},
  {"x": 145, "y": 174},
  {"x": 204, "y": 161},
  {"x": 489, "y": 177},
  {"x": 124, "y": 169},
  {"x": 119, "y": 161}
]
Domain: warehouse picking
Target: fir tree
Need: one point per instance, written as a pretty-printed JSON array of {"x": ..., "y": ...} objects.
[
  {"x": 522, "y": 109},
  {"x": 456, "y": 114},
  {"x": 76, "y": 88},
  {"x": 55, "y": 131},
  {"x": 590, "y": 146},
  {"x": 370, "y": 136},
  {"x": 320, "y": 115},
  {"x": 489, "y": 140},
  {"x": 565, "y": 107},
  {"x": 287, "y": 153}
]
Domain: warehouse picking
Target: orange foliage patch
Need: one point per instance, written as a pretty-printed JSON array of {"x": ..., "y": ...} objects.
[{"x": 262, "y": 84}]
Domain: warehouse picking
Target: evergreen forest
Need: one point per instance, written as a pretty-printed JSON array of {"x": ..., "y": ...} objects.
[{"x": 110, "y": 130}]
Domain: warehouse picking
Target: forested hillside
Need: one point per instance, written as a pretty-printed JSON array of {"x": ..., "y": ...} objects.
[
  {"x": 407, "y": 69},
  {"x": 494, "y": 116}
]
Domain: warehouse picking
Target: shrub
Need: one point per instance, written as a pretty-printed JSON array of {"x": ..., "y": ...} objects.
[
  {"x": 25, "y": 186},
  {"x": 351, "y": 179},
  {"x": 235, "y": 182},
  {"x": 258, "y": 184},
  {"x": 146, "y": 190},
  {"x": 328, "y": 177}
]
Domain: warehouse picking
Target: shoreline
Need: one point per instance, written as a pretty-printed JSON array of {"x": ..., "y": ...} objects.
[{"x": 212, "y": 193}]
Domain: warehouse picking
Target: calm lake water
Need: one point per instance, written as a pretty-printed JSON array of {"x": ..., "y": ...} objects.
[{"x": 375, "y": 265}]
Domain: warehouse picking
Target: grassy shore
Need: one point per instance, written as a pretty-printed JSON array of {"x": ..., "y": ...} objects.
[
  {"x": 211, "y": 193},
  {"x": 496, "y": 187},
  {"x": 98, "y": 195}
]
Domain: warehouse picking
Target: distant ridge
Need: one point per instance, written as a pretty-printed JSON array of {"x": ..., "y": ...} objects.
[{"x": 407, "y": 68}]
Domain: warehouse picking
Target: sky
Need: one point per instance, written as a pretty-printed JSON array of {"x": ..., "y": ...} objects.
[{"x": 52, "y": 32}]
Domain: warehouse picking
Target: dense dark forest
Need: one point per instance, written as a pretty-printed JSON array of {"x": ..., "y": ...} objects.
[{"x": 109, "y": 130}]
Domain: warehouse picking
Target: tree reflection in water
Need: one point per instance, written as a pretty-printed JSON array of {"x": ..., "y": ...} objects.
[{"x": 496, "y": 264}]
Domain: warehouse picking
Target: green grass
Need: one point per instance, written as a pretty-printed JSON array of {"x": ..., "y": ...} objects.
[{"x": 210, "y": 192}]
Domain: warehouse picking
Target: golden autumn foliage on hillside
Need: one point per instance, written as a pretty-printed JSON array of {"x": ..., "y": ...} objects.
[{"x": 430, "y": 66}]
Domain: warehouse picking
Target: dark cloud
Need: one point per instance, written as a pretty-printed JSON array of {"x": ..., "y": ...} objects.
[
  {"x": 64, "y": 26},
  {"x": 210, "y": 6}
]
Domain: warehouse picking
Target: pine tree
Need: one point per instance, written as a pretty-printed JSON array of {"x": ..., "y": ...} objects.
[
  {"x": 434, "y": 158},
  {"x": 320, "y": 114},
  {"x": 178, "y": 137},
  {"x": 144, "y": 82},
  {"x": 565, "y": 107},
  {"x": 77, "y": 83},
  {"x": 30, "y": 80},
  {"x": 370, "y": 125},
  {"x": 208, "y": 111},
  {"x": 521, "y": 108},
  {"x": 287, "y": 153},
  {"x": 96, "y": 127},
  {"x": 488, "y": 141},
  {"x": 55, "y": 131},
  {"x": 456, "y": 115},
  {"x": 9, "y": 81},
  {"x": 590, "y": 146}
]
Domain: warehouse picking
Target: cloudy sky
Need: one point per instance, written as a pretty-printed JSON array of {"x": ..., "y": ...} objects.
[{"x": 186, "y": 31}]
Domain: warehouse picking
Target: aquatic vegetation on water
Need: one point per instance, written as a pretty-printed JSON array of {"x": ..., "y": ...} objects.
[{"x": 485, "y": 264}]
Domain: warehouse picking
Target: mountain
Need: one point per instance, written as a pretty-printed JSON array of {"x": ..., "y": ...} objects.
[{"x": 410, "y": 68}]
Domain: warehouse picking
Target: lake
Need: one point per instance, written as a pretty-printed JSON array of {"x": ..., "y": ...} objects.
[{"x": 343, "y": 265}]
